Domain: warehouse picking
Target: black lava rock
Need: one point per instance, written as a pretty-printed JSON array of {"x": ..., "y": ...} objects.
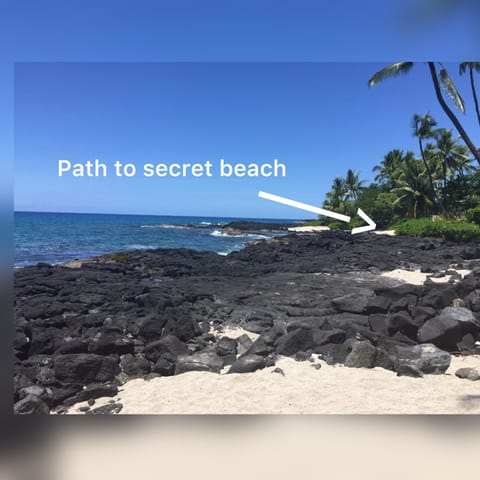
[
  {"x": 84, "y": 368},
  {"x": 248, "y": 363}
]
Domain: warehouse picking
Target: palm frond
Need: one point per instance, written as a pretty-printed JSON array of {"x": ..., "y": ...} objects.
[
  {"x": 451, "y": 90},
  {"x": 469, "y": 65},
  {"x": 392, "y": 70}
]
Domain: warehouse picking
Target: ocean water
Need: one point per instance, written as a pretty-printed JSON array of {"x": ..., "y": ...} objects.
[{"x": 60, "y": 237}]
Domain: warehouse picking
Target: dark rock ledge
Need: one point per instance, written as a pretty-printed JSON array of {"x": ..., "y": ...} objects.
[{"x": 82, "y": 332}]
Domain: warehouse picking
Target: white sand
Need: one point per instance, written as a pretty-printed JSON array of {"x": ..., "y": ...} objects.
[
  {"x": 308, "y": 229},
  {"x": 312, "y": 229},
  {"x": 416, "y": 277},
  {"x": 303, "y": 389}
]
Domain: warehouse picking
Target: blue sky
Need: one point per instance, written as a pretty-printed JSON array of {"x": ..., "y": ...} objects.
[
  {"x": 296, "y": 113},
  {"x": 317, "y": 118}
]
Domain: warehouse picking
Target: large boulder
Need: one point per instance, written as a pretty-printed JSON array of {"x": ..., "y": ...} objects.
[
  {"x": 260, "y": 347},
  {"x": 362, "y": 355},
  {"x": 165, "y": 365},
  {"x": 226, "y": 346},
  {"x": 182, "y": 326},
  {"x": 151, "y": 327},
  {"x": 200, "y": 362},
  {"x": 438, "y": 298},
  {"x": 353, "y": 302},
  {"x": 377, "y": 304},
  {"x": 425, "y": 357},
  {"x": 404, "y": 303},
  {"x": 379, "y": 323},
  {"x": 248, "y": 363},
  {"x": 449, "y": 327},
  {"x": 421, "y": 314},
  {"x": 134, "y": 366},
  {"x": 244, "y": 343},
  {"x": 401, "y": 321},
  {"x": 84, "y": 368},
  {"x": 168, "y": 344},
  {"x": 295, "y": 341}
]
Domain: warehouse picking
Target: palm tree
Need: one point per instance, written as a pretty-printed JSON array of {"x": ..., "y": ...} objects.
[
  {"x": 423, "y": 129},
  {"x": 413, "y": 187},
  {"x": 336, "y": 196},
  {"x": 454, "y": 156},
  {"x": 471, "y": 67},
  {"x": 388, "y": 168},
  {"x": 440, "y": 79},
  {"x": 353, "y": 185}
]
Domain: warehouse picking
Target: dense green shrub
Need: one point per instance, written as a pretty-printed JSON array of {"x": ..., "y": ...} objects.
[
  {"x": 473, "y": 215},
  {"x": 338, "y": 225},
  {"x": 456, "y": 230}
]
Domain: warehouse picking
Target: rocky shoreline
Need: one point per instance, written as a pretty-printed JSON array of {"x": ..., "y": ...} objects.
[{"x": 82, "y": 332}]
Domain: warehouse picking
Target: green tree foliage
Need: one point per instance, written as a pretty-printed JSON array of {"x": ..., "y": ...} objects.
[
  {"x": 412, "y": 189},
  {"x": 410, "y": 186},
  {"x": 473, "y": 215},
  {"x": 335, "y": 198},
  {"x": 442, "y": 84},
  {"x": 389, "y": 168},
  {"x": 353, "y": 185}
]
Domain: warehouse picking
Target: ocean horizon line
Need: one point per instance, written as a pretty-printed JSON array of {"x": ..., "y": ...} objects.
[{"x": 165, "y": 215}]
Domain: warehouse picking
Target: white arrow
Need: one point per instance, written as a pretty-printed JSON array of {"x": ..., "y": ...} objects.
[
  {"x": 320, "y": 211},
  {"x": 304, "y": 206},
  {"x": 371, "y": 224}
]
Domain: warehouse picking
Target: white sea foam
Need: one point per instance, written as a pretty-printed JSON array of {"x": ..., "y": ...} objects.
[
  {"x": 252, "y": 236},
  {"x": 255, "y": 236},
  {"x": 219, "y": 233},
  {"x": 163, "y": 225},
  {"x": 136, "y": 246}
]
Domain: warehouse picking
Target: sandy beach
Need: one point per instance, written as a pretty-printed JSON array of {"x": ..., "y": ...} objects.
[
  {"x": 416, "y": 277},
  {"x": 302, "y": 389},
  {"x": 320, "y": 228}
]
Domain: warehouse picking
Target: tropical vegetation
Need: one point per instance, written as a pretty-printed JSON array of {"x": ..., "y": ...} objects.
[{"x": 433, "y": 191}]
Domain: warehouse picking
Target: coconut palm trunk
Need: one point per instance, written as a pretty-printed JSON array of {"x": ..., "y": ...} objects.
[
  {"x": 474, "y": 92},
  {"x": 450, "y": 114}
]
